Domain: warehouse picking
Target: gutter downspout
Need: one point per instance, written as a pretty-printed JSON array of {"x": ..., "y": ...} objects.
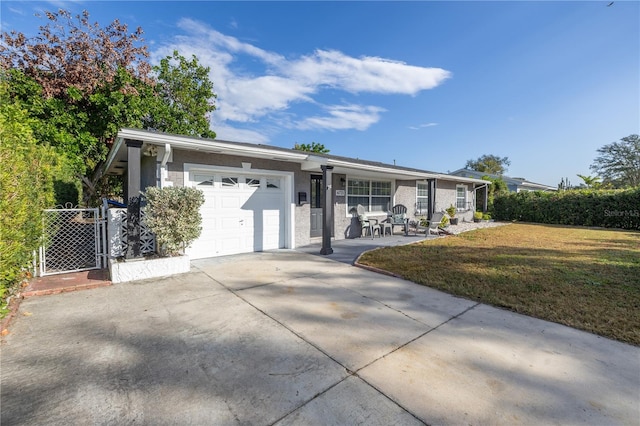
[{"x": 163, "y": 166}]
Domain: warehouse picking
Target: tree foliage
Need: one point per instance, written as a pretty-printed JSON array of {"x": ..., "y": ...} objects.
[
  {"x": 498, "y": 187},
  {"x": 590, "y": 181},
  {"x": 82, "y": 83},
  {"x": 312, "y": 147},
  {"x": 564, "y": 184},
  {"x": 72, "y": 55},
  {"x": 183, "y": 98},
  {"x": 618, "y": 163},
  {"x": 489, "y": 164}
]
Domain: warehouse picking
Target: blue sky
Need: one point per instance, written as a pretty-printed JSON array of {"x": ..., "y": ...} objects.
[{"x": 425, "y": 84}]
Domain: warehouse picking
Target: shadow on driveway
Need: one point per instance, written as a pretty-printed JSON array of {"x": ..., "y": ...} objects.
[{"x": 287, "y": 338}]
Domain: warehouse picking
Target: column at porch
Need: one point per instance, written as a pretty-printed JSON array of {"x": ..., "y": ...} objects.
[
  {"x": 327, "y": 209},
  {"x": 133, "y": 198}
]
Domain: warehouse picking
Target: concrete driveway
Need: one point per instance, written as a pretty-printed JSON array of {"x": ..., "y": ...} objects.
[{"x": 289, "y": 338}]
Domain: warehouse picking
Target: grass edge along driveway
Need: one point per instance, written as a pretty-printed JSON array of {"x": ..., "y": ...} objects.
[{"x": 585, "y": 278}]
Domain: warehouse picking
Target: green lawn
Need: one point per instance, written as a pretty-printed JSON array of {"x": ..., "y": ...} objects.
[{"x": 581, "y": 277}]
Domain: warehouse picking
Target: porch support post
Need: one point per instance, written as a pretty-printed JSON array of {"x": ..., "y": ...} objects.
[
  {"x": 327, "y": 209},
  {"x": 133, "y": 201},
  {"x": 431, "y": 204},
  {"x": 486, "y": 198}
]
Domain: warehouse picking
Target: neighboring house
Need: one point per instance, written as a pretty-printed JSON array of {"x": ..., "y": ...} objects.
[
  {"x": 260, "y": 197},
  {"x": 513, "y": 184}
]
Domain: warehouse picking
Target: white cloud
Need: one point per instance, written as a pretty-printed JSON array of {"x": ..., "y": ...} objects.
[
  {"x": 366, "y": 74},
  {"x": 253, "y": 84},
  {"x": 422, "y": 126},
  {"x": 215, "y": 39},
  {"x": 344, "y": 117},
  {"x": 257, "y": 97}
]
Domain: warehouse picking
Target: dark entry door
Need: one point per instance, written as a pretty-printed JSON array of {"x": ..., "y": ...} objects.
[{"x": 316, "y": 205}]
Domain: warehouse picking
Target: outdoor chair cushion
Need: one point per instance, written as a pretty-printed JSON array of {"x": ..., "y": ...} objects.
[{"x": 398, "y": 218}]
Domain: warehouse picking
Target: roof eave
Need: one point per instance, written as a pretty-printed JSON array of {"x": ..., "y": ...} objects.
[{"x": 308, "y": 161}]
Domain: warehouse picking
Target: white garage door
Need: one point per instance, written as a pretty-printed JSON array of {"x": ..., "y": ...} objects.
[{"x": 242, "y": 213}]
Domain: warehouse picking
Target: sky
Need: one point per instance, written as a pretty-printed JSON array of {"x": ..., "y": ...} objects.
[{"x": 427, "y": 85}]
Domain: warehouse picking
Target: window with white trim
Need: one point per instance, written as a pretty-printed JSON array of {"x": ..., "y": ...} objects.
[
  {"x": 273, "y": 183},
  {"x": 229, "y": 182},
  {"x": 373, "y": 195},
  {"x": 203, "y": 180},
  {"x": 422, "y": 198},
  {"x": 461, "y": 197},
  {"x": 252, "y": 182}
]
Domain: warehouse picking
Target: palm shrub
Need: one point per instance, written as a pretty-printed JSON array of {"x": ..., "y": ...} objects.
[{"x": 173, "y": 215}]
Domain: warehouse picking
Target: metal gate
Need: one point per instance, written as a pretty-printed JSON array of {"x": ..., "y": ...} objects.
[{"x": 74, "y": 240}]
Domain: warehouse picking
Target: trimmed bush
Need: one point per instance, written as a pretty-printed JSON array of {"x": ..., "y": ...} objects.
[
  {"x": 173, "y": 215},
  {"x": 588, "y": 207}
]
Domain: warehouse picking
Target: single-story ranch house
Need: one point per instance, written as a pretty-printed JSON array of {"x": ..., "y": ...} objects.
[{"x": 260, "y": 197}]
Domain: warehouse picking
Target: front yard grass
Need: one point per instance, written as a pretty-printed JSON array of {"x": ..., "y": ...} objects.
[{"x": 581, "y": 277}]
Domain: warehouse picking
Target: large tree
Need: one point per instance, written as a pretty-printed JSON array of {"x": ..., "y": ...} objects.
[
  {"x": 489, "y": 164},
  {"x": 70, "y": 52},
  {"x": 82, "y": 83},
  {"x": 618, "y": 163}
]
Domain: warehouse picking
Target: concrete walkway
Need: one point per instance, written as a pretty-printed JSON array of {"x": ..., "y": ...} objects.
[
  {"x": 289, "y": 338},
  {"x": 348, "y": 250}
]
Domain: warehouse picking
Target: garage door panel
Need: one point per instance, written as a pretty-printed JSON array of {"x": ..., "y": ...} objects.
[
  {"x": 271, "y": 217},
  {"x": 227, "y": 202},
  {"x": 271, "y": 242},
  {"x": 230, "y": 223},
  {"x": 273, "y": 236},
  {"x": 231, "y": 245}
]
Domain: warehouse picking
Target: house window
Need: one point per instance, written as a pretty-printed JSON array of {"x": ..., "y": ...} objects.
[
  {"x": 422, "y": 198},
  {"x": 229, "y": 182},
  {"x": 316, "y": 191},
  {"x": 252, "y": 182},
  {"x": 203, "y": 180},
  {"x": 375, "y": 196},
  {"x": 461, "y": 197},
  {"x": 273, "y": 183}
]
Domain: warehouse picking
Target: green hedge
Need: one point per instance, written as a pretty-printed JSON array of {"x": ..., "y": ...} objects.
[
  {"x": 26, "y": 187},
  {"x": 605, "y": 208}
]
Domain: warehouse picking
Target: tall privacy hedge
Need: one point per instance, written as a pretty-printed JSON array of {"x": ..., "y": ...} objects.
[
  {"x": 26, "y": 187},
  {"x": 606, "y": 208}
]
